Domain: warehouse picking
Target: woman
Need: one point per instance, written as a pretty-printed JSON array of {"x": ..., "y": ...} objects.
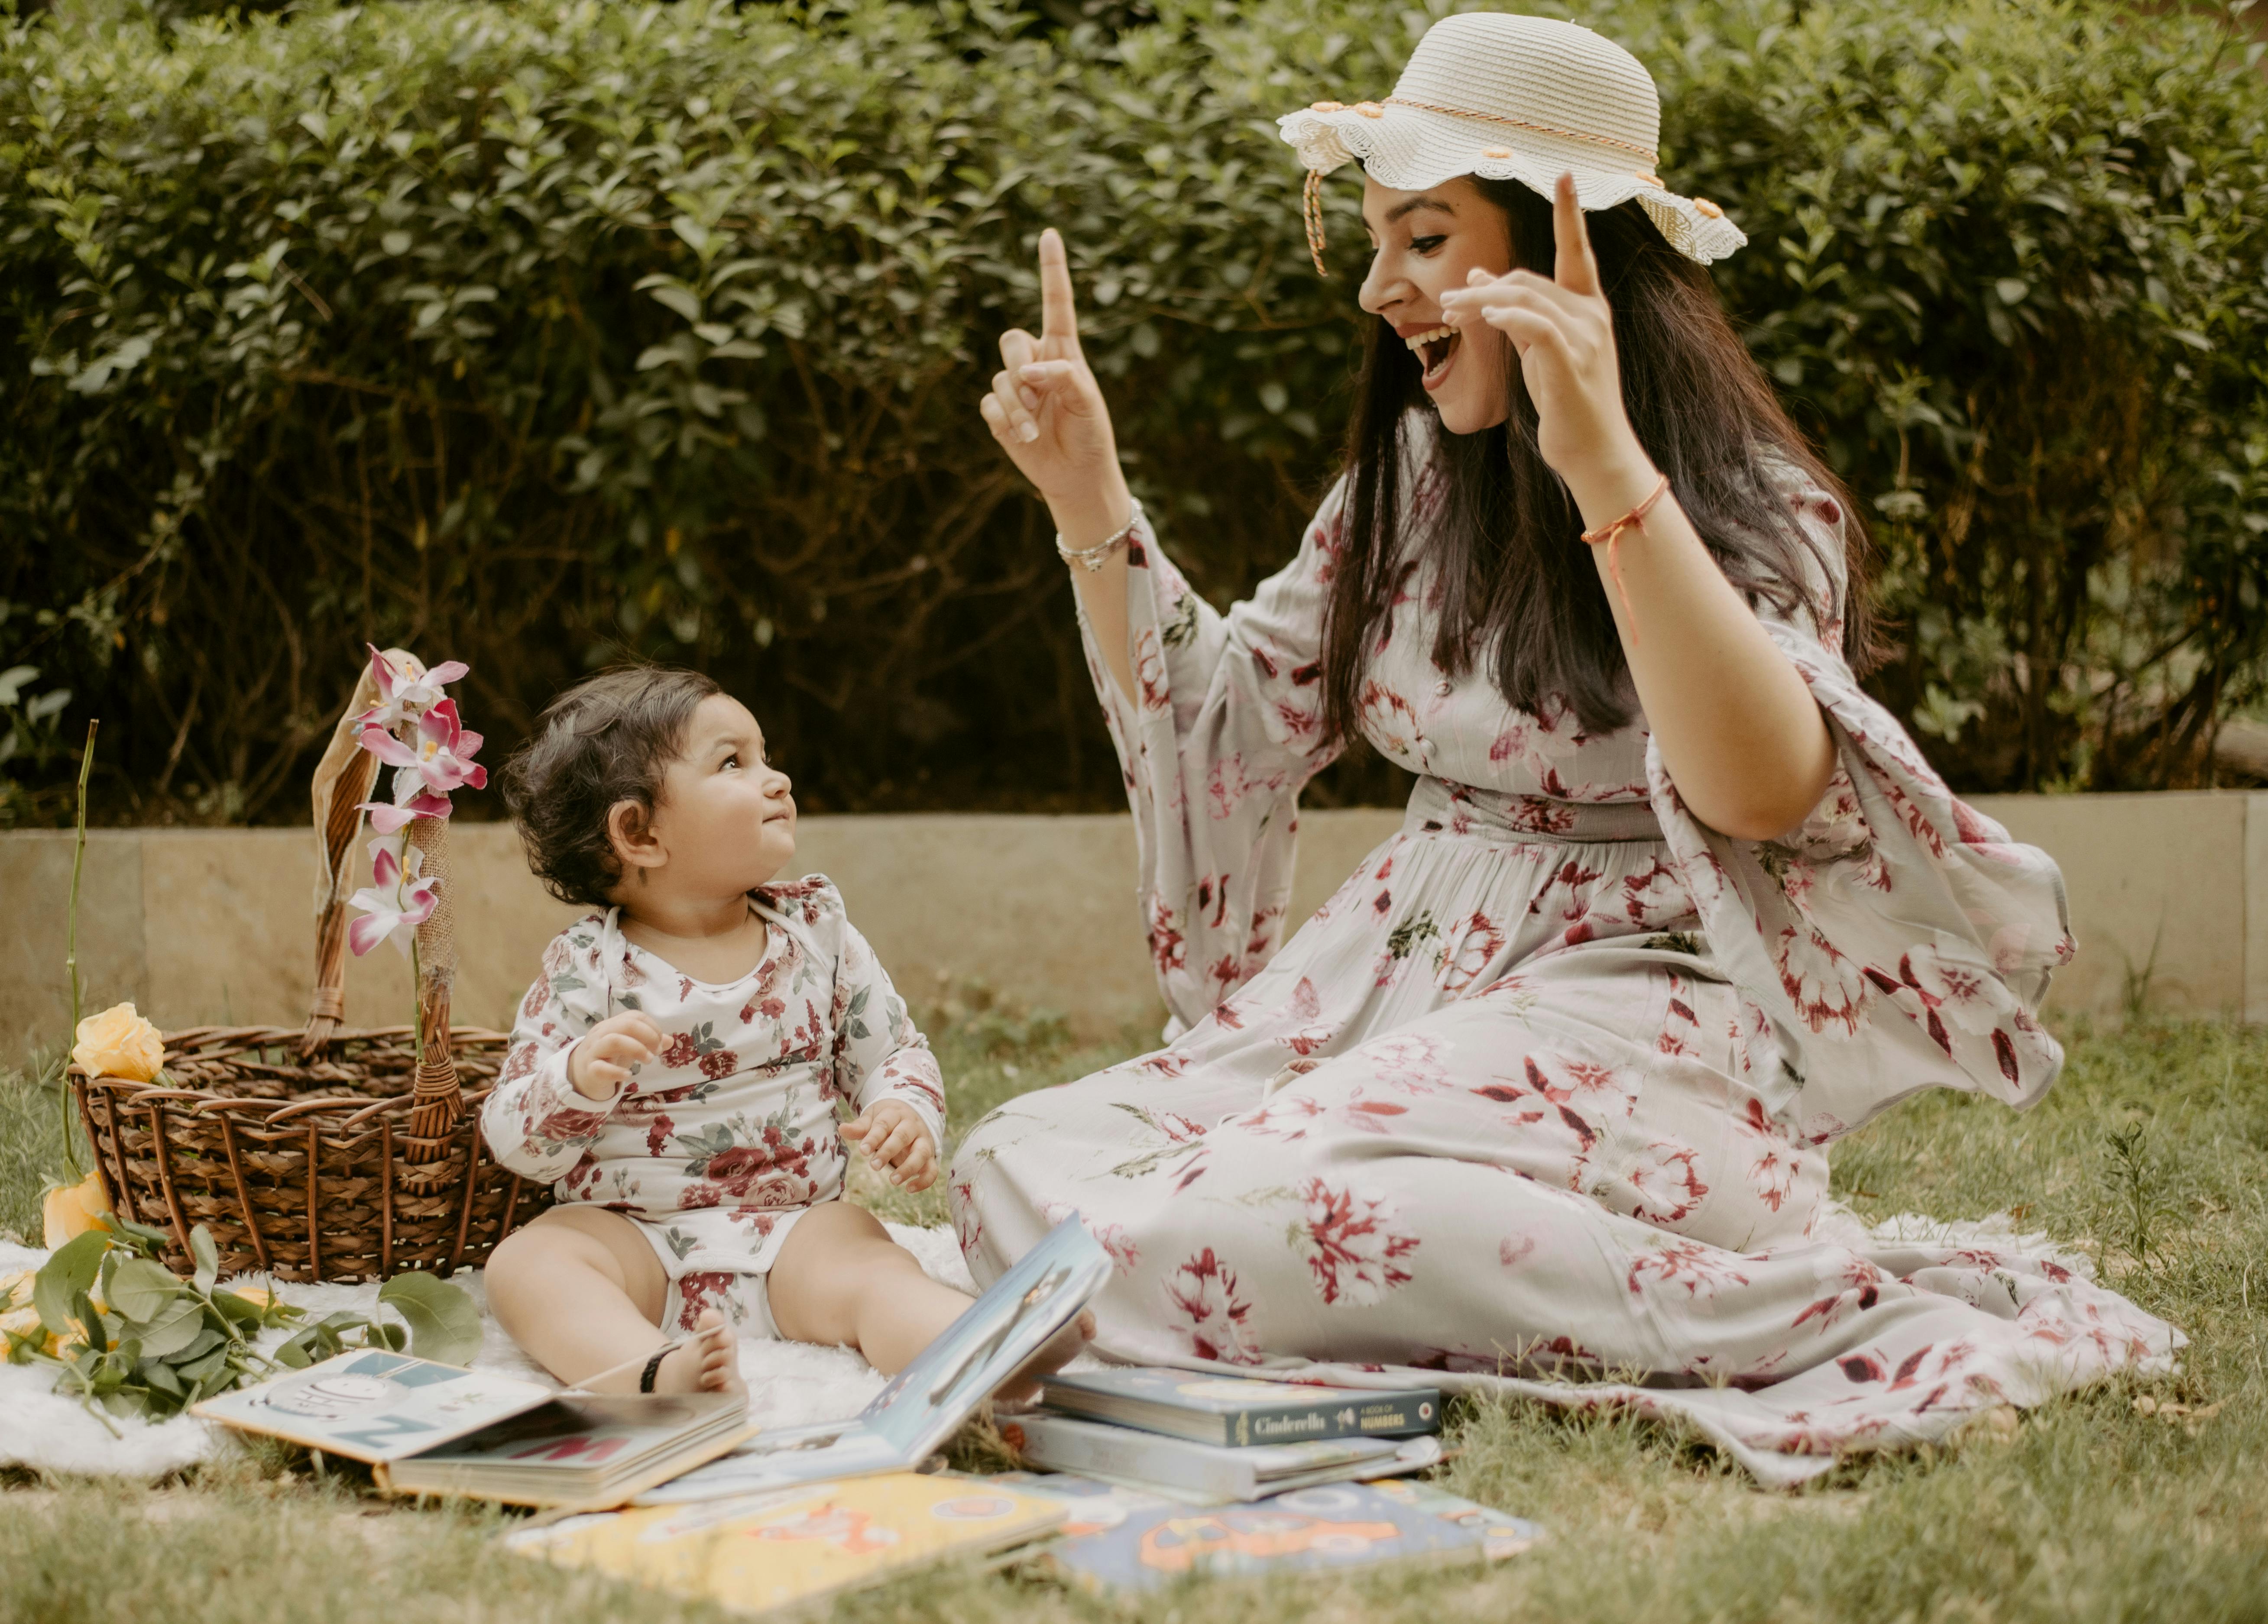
[{"x": 1547, "y": 1086}]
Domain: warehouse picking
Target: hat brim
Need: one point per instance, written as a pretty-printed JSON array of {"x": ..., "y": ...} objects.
[{"x": 1410, "y": 149}]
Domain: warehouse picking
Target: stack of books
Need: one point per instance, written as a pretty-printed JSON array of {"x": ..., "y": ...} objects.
[
  {"x": 1213, "y": 1440},
  {"x": 1156, "y": 1472}
]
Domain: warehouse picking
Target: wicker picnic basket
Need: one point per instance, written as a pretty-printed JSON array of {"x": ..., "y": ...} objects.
[{"x": 321, "y": 1154}]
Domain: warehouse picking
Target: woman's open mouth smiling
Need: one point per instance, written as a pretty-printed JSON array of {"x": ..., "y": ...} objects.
[{"x": 1437, "y": 348}]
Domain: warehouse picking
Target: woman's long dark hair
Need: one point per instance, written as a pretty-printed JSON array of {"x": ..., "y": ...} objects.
[{"x": 1504, "y": 535}]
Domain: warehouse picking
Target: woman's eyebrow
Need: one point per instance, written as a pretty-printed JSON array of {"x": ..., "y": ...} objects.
[{"x": 1410, "y": 206}]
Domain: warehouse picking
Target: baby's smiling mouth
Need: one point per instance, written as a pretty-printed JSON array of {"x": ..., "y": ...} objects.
[{"x": 1433, "y": 348}]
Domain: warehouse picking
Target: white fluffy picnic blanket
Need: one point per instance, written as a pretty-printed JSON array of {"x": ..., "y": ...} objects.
[{"x": 789, "y": 1383}]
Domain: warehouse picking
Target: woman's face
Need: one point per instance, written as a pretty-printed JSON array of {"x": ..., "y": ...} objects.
[{"x": 1425, "y": 243}]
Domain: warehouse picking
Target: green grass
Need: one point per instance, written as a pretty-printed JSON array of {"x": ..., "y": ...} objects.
[{"x": 2086, "y": 1510}]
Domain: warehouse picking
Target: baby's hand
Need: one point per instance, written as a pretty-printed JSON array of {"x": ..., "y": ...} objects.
[
  {"x": 613, "y": 1048},
  {"x": 897, "y": 1143}
]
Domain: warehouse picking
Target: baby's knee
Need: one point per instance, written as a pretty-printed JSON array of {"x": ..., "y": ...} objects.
[{"x": 529, "y": 1258}]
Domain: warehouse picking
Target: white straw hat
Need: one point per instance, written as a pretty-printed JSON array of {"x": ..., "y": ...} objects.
[{"x": 1512, "y": 98}]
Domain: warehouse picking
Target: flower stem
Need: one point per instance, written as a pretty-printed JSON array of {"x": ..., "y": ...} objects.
[{"x": 71, "y": 941}]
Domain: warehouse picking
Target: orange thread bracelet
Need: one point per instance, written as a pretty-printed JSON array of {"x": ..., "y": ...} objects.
[{"x": 1612, "y": 536}]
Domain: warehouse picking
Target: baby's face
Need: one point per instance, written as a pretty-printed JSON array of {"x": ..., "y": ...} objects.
[{"x": 725, "y": 817}]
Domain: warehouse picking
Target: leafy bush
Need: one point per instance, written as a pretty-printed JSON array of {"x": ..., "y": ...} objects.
[{"x": 534, "y": 333}]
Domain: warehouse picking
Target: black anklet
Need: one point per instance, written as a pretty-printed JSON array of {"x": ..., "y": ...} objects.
[{"x": 652, "y": 1369}]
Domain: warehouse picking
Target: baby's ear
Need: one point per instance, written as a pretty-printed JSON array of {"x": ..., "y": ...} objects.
[{"x": 630, "y": 834}]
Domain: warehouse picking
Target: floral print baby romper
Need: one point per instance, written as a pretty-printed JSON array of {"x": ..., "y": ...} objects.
[
  {"x": 715, "y": 1150},
  {"x": 1545, "y": 1090}
]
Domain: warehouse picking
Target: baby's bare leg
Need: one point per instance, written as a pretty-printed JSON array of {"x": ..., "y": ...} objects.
[
  {"x": 841, "y": 1280},
  {"x": 581, "y": 1290}
]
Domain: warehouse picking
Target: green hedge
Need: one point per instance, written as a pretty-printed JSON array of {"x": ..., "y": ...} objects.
[{"x": 531, "y": 333}]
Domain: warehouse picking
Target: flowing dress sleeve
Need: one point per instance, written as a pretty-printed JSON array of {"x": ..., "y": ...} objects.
[
  {"x": 1897, "y": 940},
  {"x": 537, "y": 1123},
  {"x": 1226, "y": 727}
]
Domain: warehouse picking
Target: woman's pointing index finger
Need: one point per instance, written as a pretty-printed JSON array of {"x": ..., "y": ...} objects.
[
  {"x": 1574, "y": 268},
  {"x": 1059, "y": 315}
]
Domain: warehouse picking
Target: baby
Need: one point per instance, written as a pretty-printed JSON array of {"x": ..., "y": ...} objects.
[{"x": 676, "y": 1070}]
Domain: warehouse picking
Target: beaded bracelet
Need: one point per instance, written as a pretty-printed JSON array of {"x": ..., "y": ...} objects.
[
  {"x": 1612, "y": 536},
  {"x": 1090, "y": 558}
]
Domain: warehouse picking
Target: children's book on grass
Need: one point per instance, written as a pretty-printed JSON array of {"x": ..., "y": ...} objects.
[
  {"x": 425, "y": 1427},
  {"x": 758, "y": 1551},
  {"x": 1339, "y": 1525},
  {"x": 1238, "y": 1412},
  {"x": 1207, "y": 1473},
  {"x": 1094, "y": 1504},
  {"x": 1502, "y": 1534},
  {"x": 926, "y": 1402}
]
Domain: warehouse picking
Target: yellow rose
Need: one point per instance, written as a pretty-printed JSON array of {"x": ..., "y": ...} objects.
[
  {"x": 259, "y": 1297},
  {"x": 71, "y": 1210},
  {"x": 118, "y": 1043},
  {"x": 13, "y": 1286}
]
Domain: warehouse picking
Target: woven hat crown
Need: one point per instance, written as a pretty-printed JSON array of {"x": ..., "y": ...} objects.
[{"x": 1551, "y": 76}]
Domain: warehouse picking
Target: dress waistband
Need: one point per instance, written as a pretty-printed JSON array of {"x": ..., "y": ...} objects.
[{"x": 1439, "y": 807}]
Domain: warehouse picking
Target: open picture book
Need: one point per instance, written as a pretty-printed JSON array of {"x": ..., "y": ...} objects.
[
  {"x": 425, "y": 1427},
  {"x": 926, "y": 1402}
]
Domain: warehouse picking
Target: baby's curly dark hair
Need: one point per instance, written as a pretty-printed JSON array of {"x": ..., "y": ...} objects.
[{"x": 605, "y": 740}]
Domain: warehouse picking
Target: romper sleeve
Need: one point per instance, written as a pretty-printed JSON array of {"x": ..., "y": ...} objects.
[
  {"x": 1897, "y": 940},
  {"x": 537, "y": 1123},
  {"x": 879, "y": 1054},
  {"x": 1224, "y": 730}
]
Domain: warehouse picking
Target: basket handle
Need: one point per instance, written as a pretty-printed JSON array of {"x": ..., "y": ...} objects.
[{"x": 344, "y": 778}]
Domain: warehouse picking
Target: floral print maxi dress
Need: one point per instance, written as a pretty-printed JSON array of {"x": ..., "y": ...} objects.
[
  {"x": 1545, "y": 1089},
  {"x": 718, "y": 1148}
]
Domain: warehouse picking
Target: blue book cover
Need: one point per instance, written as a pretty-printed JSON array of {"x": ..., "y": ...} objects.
[
  {"x": 1339, "y": 1525},
  {"x": 1238, "y": 1412},
  {"x": 1502, "y": 1534}
]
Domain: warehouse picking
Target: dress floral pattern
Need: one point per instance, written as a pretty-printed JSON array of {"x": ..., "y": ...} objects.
[
  {"x": 716, "y": 1148},
  {"x": 1544, "y": 1091}
]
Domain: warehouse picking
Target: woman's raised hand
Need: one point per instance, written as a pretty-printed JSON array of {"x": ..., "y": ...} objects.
[
  {"x": 1045, "y": 408},
  {"x": 1564, "y": 331}
]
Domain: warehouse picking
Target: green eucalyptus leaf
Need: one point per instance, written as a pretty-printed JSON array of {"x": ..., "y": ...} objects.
[
  {"x": 207, "y": 1256},
  {"x": 237, "y": 1311},
  {"x": 206, "y": 1340},
  {"x": 92, "y": 1323},
  {"x": 142, "y": 1289},
  {"x": 198, "y": 1368},
  {"x": 180, "y": 1325},
  {"x": 445, "y": 1323},
  {"x": 141, "y": 1236},
  {"x": 63, "y": 1279},
  {"x": 292, "y": 1356},
  {"x": 162, "y": 1377}
]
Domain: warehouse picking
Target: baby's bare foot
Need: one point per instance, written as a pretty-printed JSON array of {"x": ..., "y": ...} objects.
[
  {"x": 1062, "y": 1348},
  {"x": 708, "y": 1361}
]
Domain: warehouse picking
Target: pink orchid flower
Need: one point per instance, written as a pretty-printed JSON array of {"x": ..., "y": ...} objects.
[
  {"x": 443, "y": 754},
  {"x": 405, "y": 695},
  {"x": 397, "y": 898},
  {"x": 388, "y": 818}
]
